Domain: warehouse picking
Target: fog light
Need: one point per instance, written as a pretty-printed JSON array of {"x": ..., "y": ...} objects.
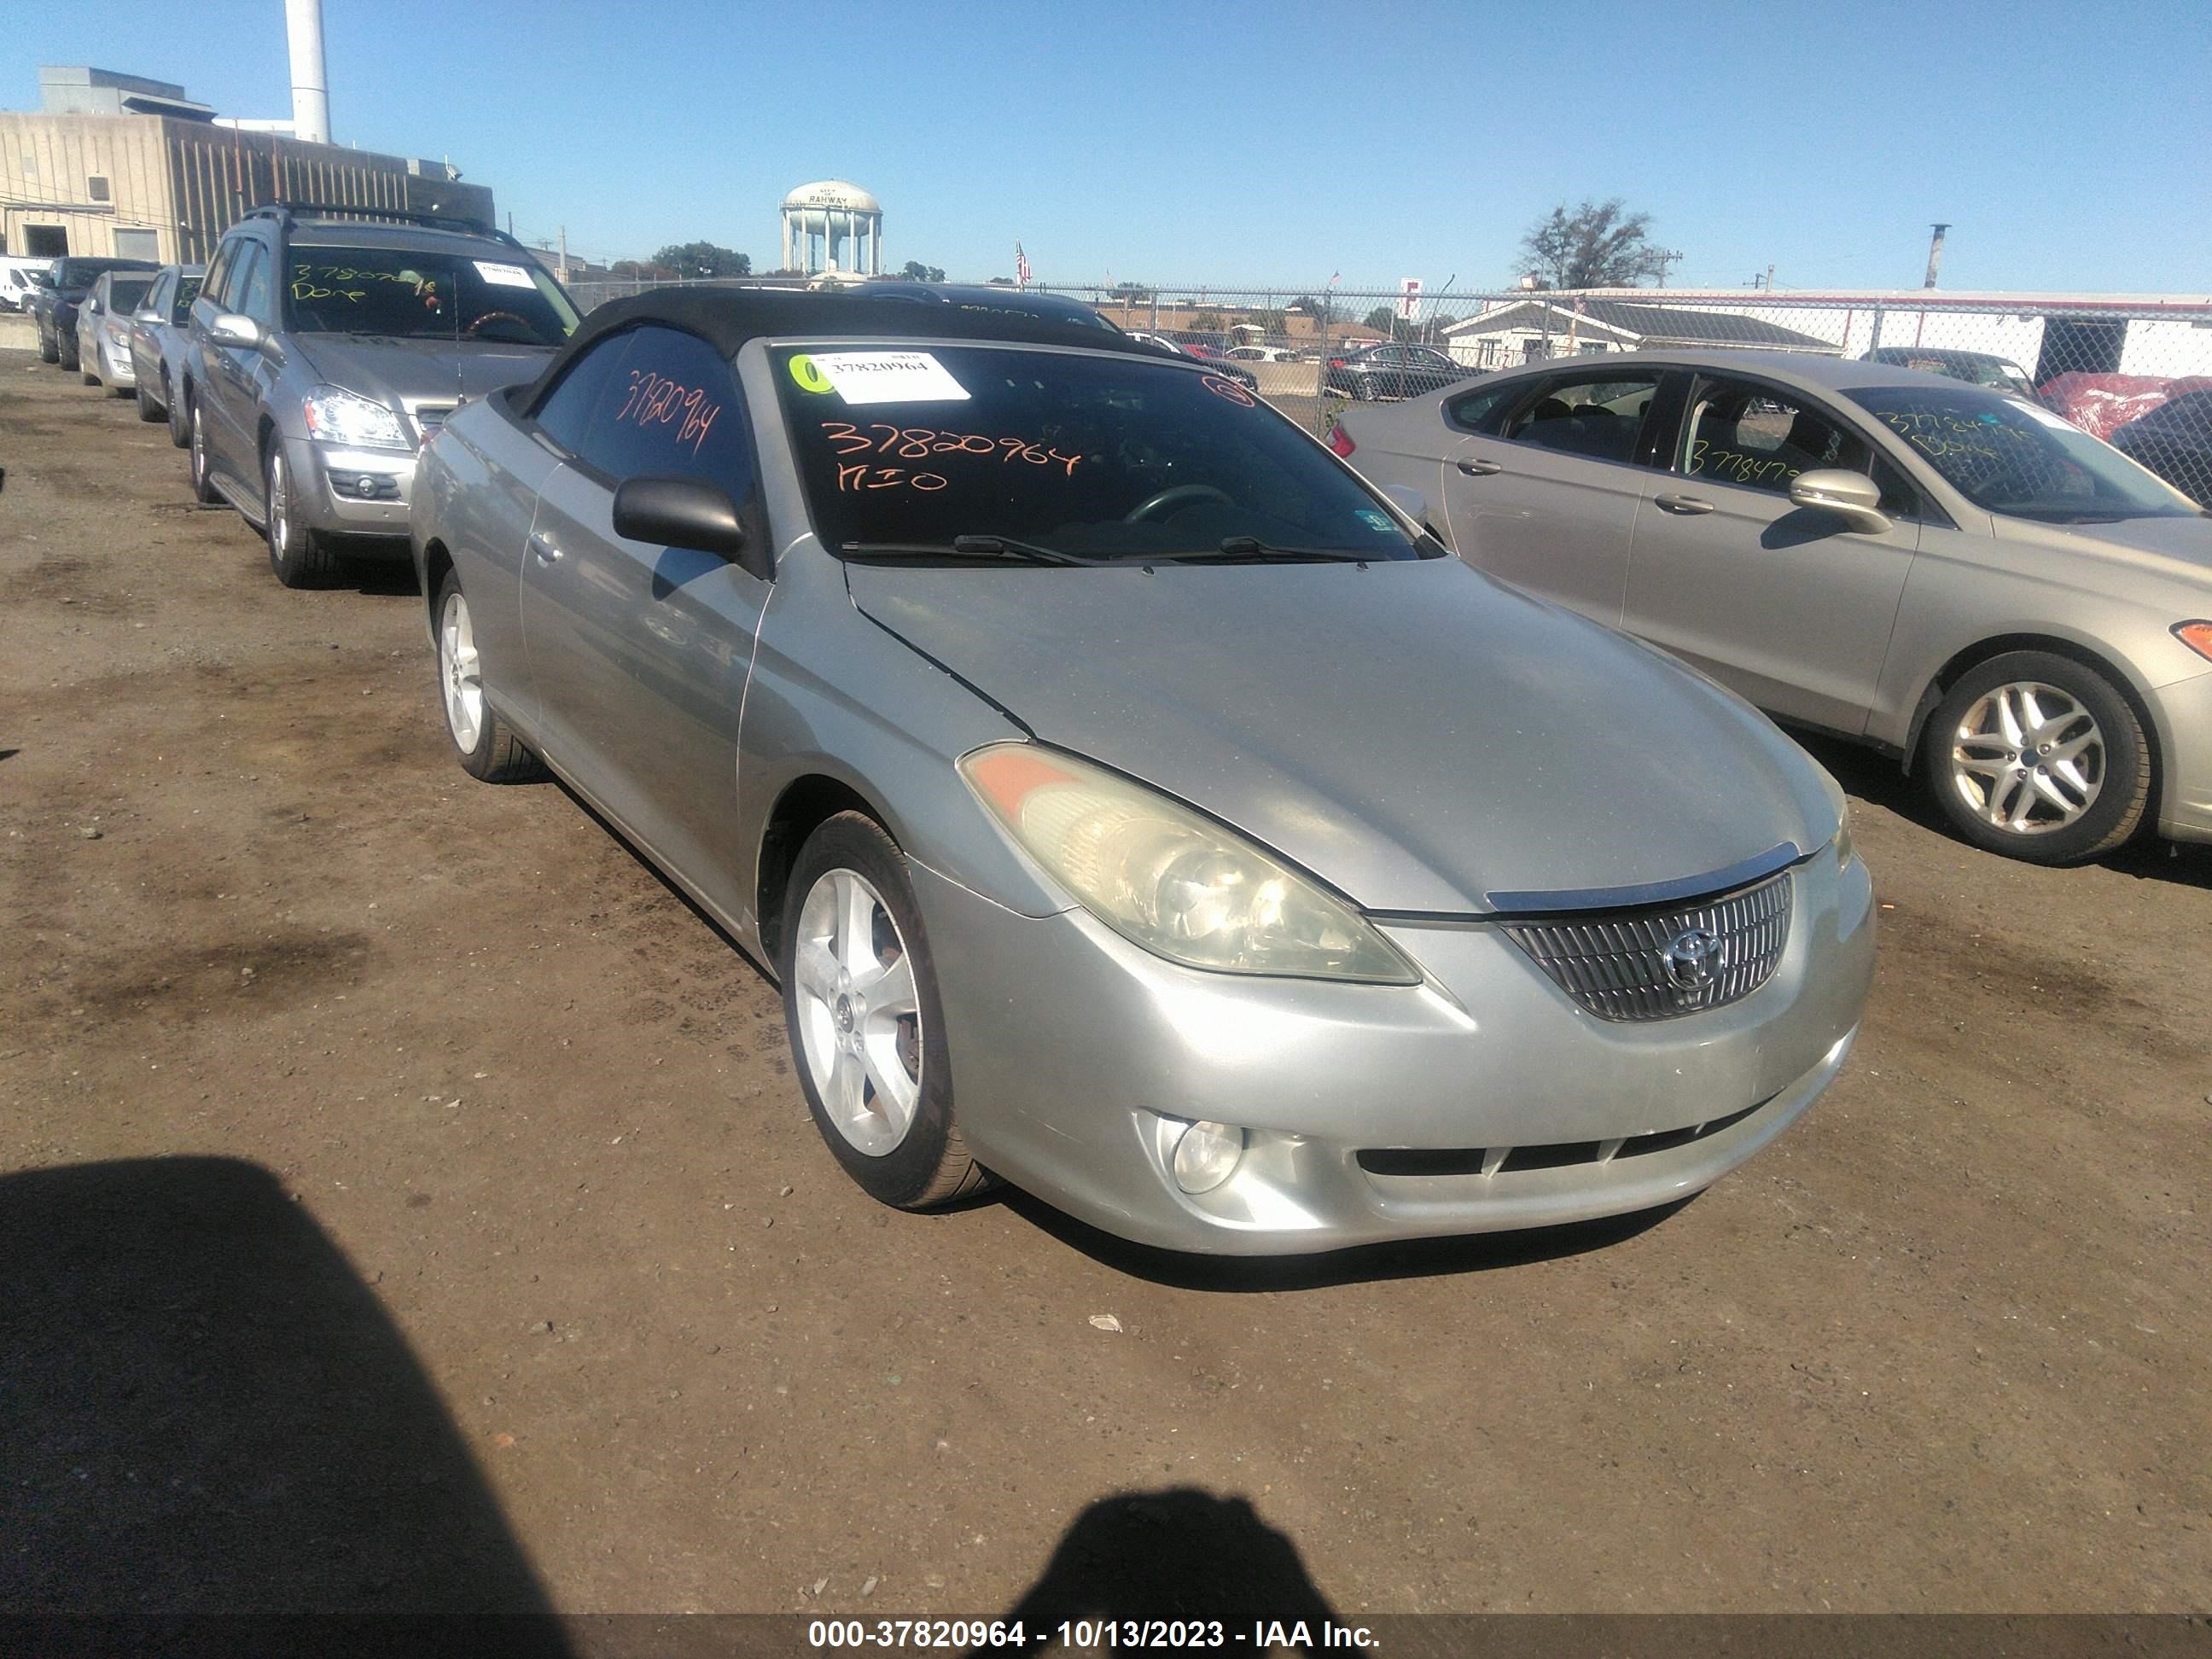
[
  {"x": 1208, "y": 1155},
  {"x": 367, "y": 483}
]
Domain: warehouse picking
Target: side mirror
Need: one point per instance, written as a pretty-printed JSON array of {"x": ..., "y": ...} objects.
[
  {"x": 1851, "y": 496},
  {"x": 1409, "y": 502},
  {"x": 679, "y": 513},
  {"x": 146, "y": 316},
  {"x": 233, "y": 329}
]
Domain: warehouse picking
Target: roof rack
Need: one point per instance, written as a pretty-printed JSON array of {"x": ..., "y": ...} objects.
[{"x": 285, "y": 212}]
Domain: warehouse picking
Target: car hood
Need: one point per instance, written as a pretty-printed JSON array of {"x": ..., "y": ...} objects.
[
  {"x": 416, "y": 370},
  {"x": 1413, "y": 733}
]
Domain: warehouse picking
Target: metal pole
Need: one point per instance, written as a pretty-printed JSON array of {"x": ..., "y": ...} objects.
[
  {"x": 1934, "y": 255},
  {"x": 564, "y": 253}
]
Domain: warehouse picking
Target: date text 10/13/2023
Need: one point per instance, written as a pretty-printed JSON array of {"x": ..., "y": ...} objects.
[{"x": 1088, "y": 1635}]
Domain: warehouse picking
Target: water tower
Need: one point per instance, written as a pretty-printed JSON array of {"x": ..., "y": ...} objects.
[{"x": 833, "y": 226}]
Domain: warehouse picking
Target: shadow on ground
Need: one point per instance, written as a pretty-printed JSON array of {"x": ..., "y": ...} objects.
[
  {"x": 206, "y": 1411},
  {"x": 1178, "y": 1553}
]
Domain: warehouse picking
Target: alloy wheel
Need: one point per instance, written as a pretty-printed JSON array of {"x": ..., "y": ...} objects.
[
  {"x": 199, "y": 450},
  {"x": 859, "y": 1021},
  {"x": 460, "y": 674},
  {"x": 2028, "y": 758},
  {"x": 280, "y": 506}
]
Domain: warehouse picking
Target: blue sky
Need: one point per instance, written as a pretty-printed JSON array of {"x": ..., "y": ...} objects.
[{"x": 1246, "y": 143}]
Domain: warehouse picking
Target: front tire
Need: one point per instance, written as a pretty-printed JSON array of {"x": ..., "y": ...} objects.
[
  {"x": 484, "y": 744},
  {"x": 2039, "y": 757},
  {"x": 866, "y": 1028},
  {"x": 148, "y": 410},
  {"x": 301, "y": 557},
  {"x": 180, "y": 433}
]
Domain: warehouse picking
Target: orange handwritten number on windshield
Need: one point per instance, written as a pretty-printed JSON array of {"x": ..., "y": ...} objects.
[{"x": 841, "y": 433}]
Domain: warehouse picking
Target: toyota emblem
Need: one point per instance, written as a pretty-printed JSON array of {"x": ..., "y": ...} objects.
[{"x": 1692, "y": 958}]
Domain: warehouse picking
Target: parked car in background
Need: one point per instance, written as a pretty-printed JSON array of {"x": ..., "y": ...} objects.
[
  {"x": 1261, "y": 353},
  {"x": 322, "y": 351},
  {"x": 19, "y": 277},
  {"x": 53, "y": 303},
  {"x": 2175, "y": 442},
  {"x": 1392, "y": 371},
  {"x": 1072, "y": 865},
  {"x": 103, "y": 329},
  {"x": 1975, "y": 367},
  {"x": 1947, "y": 572},
  {"x": 159, "y": 335},
  {"x": 1236, "y": 372}
]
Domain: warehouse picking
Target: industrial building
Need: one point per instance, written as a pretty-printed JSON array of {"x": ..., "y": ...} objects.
[{"x": 116, "y": 164}]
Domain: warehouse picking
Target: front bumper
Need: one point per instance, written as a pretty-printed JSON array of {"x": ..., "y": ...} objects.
[
  {"x": 329, "y": 494},
  {"x": 116, "y": 366},
  {"x": 2183, "y": 712},
  {"x": 1070, "y": 1047}
]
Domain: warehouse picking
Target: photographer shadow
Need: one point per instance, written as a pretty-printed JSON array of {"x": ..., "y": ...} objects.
[{"x": 1176, "y": 1553}]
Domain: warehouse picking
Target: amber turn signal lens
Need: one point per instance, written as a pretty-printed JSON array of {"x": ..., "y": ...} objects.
[{"x": 2197, "y": 635}]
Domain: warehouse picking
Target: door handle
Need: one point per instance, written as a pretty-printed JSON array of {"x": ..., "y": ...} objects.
[
  {"x": 1686, "y": 504},
  {"x": 1481, "y": 469},
  {"x": 543, "y": 550}
]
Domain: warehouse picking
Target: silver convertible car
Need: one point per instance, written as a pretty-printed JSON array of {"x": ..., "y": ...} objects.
[
  {"x": 1130, "y": 802},
  {"x": 1949, "y": 573}
]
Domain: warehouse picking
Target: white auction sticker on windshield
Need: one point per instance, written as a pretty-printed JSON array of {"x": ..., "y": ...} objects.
[
  {"x": 505, "y": 275},
  {"x": 888, "y": 377}
]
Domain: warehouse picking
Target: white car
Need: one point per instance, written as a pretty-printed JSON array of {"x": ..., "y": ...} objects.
[
  {"x": 103, "y": 329},
  {"x": 18, "y": 276},
  {"x": 1261, "y": 353}
]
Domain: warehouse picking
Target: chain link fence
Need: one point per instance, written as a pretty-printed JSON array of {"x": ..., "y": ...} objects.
[{"x": 2135, "y": 371}]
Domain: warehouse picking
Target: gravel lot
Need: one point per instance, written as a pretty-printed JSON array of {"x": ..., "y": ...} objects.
[{"x": 495, "y": 1258}]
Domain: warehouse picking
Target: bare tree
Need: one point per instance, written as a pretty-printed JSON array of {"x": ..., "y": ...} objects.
[{"x": 1598, "y": 244}]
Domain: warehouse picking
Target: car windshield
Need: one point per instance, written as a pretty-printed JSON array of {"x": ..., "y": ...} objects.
[
  {"x": 1095, "y": 457},
  {"x": 424, "y": 296},
  {"x": 128, "y": 293},
  {"x": 2009, "y": 457},
  {"x": 180, "y": 308}
]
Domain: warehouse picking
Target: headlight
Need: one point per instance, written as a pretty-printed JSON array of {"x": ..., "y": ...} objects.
[
  {"x": 1846, "y": 851},
  {"x": 339, "y": 416},
  {"x": 1165, "y": 878}
]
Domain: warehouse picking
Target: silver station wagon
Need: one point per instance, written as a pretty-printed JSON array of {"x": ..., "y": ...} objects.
[
  {"x": 1131, "y": 803},
  {"x": 1951, "y": 573}
]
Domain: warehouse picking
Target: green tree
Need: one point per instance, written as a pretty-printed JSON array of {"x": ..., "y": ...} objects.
[
  {"x": 1132, "y": 291},
  {"x": 1381, "y": 320},
  {"x": 1598, "y": 244},
  {"x": 1207, "y": 322},
  {"x": 916, "y": 271},
  {"x": 704, "y": 259}
]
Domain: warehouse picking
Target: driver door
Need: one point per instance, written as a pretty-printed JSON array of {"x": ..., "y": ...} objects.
[{"x": 639, "y": 654}]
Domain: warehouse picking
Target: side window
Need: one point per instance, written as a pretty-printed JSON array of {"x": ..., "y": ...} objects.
[
  {"x": 251, "y": 286},
  {"x": 1741, "y": 432},
  {"x": 1472, "y": 412},
  {"x": 1594, "y": 416},
  {"x": 219, "y": 272},
  {"x": 672, "y": 410},
  {"x": 565, "y": 415}
]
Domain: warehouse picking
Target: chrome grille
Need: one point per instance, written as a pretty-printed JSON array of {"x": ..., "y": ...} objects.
[{"x": 1617, "y": 963}]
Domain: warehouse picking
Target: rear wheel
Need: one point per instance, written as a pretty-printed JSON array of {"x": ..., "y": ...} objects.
[
  {"x": 2037, "y": 756},
  {"x": 485, "y": 744},
  {"x": 203, "y": 489},
  {"x": 299, "y": 557},
  {"x": 866, "y": 1028}
]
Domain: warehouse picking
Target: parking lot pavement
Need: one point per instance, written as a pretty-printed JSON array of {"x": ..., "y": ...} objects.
[{"x": 1940, "y": 1347}]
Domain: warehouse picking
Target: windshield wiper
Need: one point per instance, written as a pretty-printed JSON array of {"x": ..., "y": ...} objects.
[
  {"x": 985, "y": 547},
  {"x": 1251, "y": 549}
]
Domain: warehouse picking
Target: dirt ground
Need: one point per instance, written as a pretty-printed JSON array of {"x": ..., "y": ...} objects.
[{"x": 405, "y": 1198}]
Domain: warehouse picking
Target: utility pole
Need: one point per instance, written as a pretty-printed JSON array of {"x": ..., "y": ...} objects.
[
  {"x": 1934, "y": 254},
  {"x": 564, "y": 253},
  {"x": 1664, "y": 257}
]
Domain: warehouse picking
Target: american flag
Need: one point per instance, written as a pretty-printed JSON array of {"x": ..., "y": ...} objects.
[{"x": 1021, "y": 266}]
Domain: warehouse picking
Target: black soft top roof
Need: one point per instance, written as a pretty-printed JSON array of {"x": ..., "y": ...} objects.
[{"x": 728, "y": 318}]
